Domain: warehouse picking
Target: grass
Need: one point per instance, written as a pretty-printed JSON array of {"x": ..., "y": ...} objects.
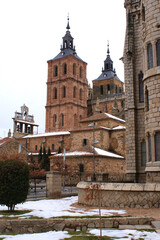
[{"x": 16, "y": 212}]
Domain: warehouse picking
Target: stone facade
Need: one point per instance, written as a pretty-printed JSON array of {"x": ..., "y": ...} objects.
[
  {"x": 142, "y": 79},
  {"x": 66, "y": 88},
  {"x": 119, "y": 195}
]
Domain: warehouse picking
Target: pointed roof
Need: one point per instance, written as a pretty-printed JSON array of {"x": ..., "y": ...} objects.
[
  {"x": 108, "y": 71},
  {"x": 67, "y": 47}
]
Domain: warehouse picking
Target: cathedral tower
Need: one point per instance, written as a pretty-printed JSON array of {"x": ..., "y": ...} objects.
[
  {"x": 66, "y": 88},
  {"x": 142, "y": 86}
]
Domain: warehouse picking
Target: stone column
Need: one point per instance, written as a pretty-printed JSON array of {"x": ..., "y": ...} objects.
[{"x": 53, "y": 184}]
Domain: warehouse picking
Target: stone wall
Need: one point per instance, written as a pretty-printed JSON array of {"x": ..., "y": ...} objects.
[
  {"x": 119, "y": 195},
  {"x": 72, "y": 224}
]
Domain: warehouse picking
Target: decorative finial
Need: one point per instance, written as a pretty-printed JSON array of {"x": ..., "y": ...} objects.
[
  {"x": 108, "y": 52},
  {"x": 68, "y": 27}
]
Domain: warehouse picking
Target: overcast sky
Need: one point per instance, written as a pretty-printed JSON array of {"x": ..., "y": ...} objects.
[{"x": 31, "y": 33}]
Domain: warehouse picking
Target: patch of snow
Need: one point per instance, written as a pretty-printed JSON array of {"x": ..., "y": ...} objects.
[
  {"x": 116, "y": 118},
  {"x": 118, "y": 128},
  {"x": 75, "y": 153},
  {"x": 107, "y": 154},
  {"x": 48, "y": 134}
]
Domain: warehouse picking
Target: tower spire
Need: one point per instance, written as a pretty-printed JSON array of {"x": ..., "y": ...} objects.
[
  {"x": 68, "y": 27},
  {"x": 108, "y": 52}
]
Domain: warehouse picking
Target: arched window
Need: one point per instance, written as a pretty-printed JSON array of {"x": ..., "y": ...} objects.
[
  {"x": 141, "y": 87},
  {"x": 74, "y": 69},
  {"x": 74, "y": 92},
  {"x": 55, "y": 74},
  {"x": 80, "y": 72},
  {"x": 101, "y": 89},
  {"x": 55, "y": 93},
  {"x": 143, "y": 12},
  {"x": 65, "y": 44},
  {"x": 80, "y": 94},
  {"x": 54, "y": 120},
  {"x": 158, "y": 52},
  {"x": 149, "y": 148},
  {"x": 150, "y": 56},
  {"x": 64, "y": 68},
  {"x": 63, "y": 91},
  {"x": 143, "y": 153},
  {"x": 146, "y": 99},
  {"x": 157, "y": 146},
  {"x": 62, "y": 119}
]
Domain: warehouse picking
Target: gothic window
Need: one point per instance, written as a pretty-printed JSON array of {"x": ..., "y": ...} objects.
[
  {"x": 55, "y": 93},
  {"x": 141, "y": 87},
  {"x": 143, "y": 153},
  {"x": 149, "y": 148},
  {"x": 101, "y": 89},
  {"x": 143, "y": 12},
  {"x": 146, "y": 99},
  {"x": 62, "y": 119},
  {"x": 80, "y": 72},
  {"x": 74, "y": 69},
  {"x": 80, "y": 94},
  {"x": 64, "y": 68},
  {"x": 150, "y": 56},
  {"x": 157, "y": 146},
  {"x": 55, "y": 71},
  {"x": 158, "y": 52},
  {"x": 63, "y": 91},
  {"x": 81, "y": 168},
  {"x": 54, "y": 120},
  {"x": 74, "y": 92}
]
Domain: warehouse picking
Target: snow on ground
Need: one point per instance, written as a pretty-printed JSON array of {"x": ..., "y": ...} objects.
[
  {"x": 115, "y": 234},
  {"x": 59, "y": 207}
]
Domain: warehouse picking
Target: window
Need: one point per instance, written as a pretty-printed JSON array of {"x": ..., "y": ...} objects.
[
  {"x": 157, "y": 146},
  {"x": 143, "y": 153},
  {"x": 101, "y": 89},
  {"x": 63, "y": 92},
  {"x": 36, "y": 147},
  {"x": 80, "y": 72},
  {"x": 55, "y": 71},
  {"x": 54, "y": 93},
  {"x": 143, "y": 12},
  {"x": 108, "y": 89},
  {"x": 64, "y": 68},
  {"x": 52, "y": 146},
  {"x": 75, "y": 120},
  {"x": 158, "y": 52},
  {"x": 80, "y": 94},
  {"x": 150, "y": 56},
  {"x": 146, "y": 99},
  {"x": 74, "y": 92},
  {"x": 74, "y": 69},
  {"x": 84, "y": 142},
  {"x": 81, "y": 168},
  {"x": 54, "y": 120},
  {"x": 149, "y": 148},
  {"x": 62, "y": 119},
  {"x": 141, "y": 87}
]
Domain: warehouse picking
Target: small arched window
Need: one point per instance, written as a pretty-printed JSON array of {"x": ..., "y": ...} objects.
[
  {"x": 74, "y": 69},
  {"x": 149, "y": 148},
  {"x": 54, "y": 120},
  {"x": 64, "y": 68},
  {"x": 80, "y": 72},
  {"x": 150, "y": 56},
  {"x": 143, "y": 153},
  {"x": 63, "y": 91},
  {"x": 146, "y": 99},
  {"x": 55, "y": 93},
  {"x": 80, "y": 94},
  {"x": 141, "y": 87},
  {"x": 62, "y": 119},
  {"x": 74, "y": 92},
  {"x": 55, "y": 74},
  {"x": 158, "y": 52}
]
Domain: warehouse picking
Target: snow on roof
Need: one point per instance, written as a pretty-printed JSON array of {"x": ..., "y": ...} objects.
[
  {"x": 116, "y": 118},
  {"x": 36, "y": 154},
  {"x": 48, "y": 134},
  {"x": 75, "y": 153},
  {"x": 23, "y": 121},
  {"x": 107, "y": 154},
  {"x": 119, "y": 128}
]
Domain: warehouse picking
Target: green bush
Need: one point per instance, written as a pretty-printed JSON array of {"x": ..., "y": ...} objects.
[{"x": 14, "y": 182}]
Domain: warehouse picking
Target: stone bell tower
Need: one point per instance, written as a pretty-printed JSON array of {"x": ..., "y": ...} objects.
[
  {"x": 66, "y": 88},
  {"x": 142, "y": 88}
]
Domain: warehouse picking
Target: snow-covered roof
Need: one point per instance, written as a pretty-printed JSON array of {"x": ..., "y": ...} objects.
[
  {"x": 75, "y": 153},
  {"x": 119, "y": 128},
  {"x": 48, "y": 134},
  {"x": 116, "y": 118},
  {"x": 23, "y": 121},
  {"x": 107, "y": 154}
]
